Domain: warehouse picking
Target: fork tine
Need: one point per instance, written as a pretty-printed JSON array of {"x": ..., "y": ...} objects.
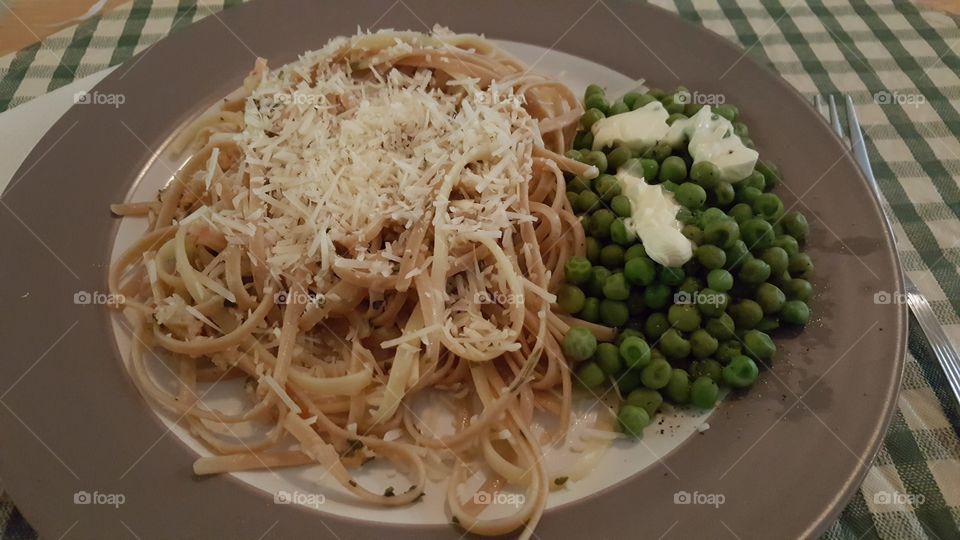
[
  {"x": 835, "y": 118},
  {"x": 821, "y": 107},
  {"x": 856, "y": 140}
]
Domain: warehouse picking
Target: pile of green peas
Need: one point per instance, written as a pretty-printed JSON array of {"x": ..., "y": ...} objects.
[{"x": 683, "y": 333}]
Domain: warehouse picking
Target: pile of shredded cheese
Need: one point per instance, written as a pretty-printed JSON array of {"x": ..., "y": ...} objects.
[{"x": 332, "y": 158}]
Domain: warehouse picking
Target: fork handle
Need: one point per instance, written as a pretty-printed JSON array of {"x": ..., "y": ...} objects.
[
  {"x": 939, "y": 342},
  {"x": 945, "y": 352}
]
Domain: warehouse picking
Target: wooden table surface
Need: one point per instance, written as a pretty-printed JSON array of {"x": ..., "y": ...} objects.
[{"x": 24, "y": 22}]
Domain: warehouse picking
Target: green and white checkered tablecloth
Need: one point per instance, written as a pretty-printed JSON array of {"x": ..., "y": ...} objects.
[{"x": 900, "y": 64}]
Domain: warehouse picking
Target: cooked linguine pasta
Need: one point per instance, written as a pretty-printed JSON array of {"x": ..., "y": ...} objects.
[{"x": 383, "y": 217}]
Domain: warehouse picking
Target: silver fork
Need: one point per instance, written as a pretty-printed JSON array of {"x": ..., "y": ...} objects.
[{"x": 945, "y": 352}]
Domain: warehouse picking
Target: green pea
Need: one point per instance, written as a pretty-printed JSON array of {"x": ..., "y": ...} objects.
[
  {"x": 706, "y": 174},
  {"x": 795, "y": 224},
  {"x": 590, "y": 375},
  {"x": 570, "y": 298},
  {"x": 678, "y": 387},
  {"x": 727, "y": 351},
  {"x": 722, "y": 233},
  {"x": 754, "y": 180},
  {"x": 657, "y": 295},
  {"x": 702, "y": 344},
  {"x": 639, "y": 271},
  {"x": 768, "y": 206},
  {"x": 571, "y": 198},
  {"x": 586, "y": 201},
  {"x": 692, "y": 108},
  {"x": 673, "y": 345},
  {"x": 691, "y": 196},
  {"x": 673, "y": 169},
  {"x": 686, "y": 216},
  {"x": 795, "y": 312},
  {"x": 643, "y": 101},
  {"x": 648, "y": 399},
  {"x": 591, "y": 117},
  {"x": 593, "y": 89},
  {"x": 611, "y": 256},
  {"x": 704, "y": 392},
  {"x": 712, "y": 303},
  {"x": 635, "y": 352},
  {"x": 770, "y": 298},
  {"x": 711, "y": 215},
  {"x": 768, "y": 324},
  {"x": 740, "y": 129},
  {"x": 746, "y": 194},
  {"x": 657, "y": 374},
  {"x": 771, "y": 174},
  {"x": 590, "y": 311},
  {"x": 684, "y": 317},
  {"x": 724, "y": 194},
  {"x": 655, "y": 326},
  {"x": 719, "y": 279},
  {"x": 628, "y": 381},
  {"x": 721, "y": 327},
  {"x": 740, "y": 212},
  {"x": 798, "y": 289},
  {"x": 634, "y": 251},
  {"x": 630, "y": 98},
  {"x": 754, "y": 272},
  {"x": 596, "y": 158},
  {"x": 598, "y": 276},
  {"x": 693, "y": 233},
  {"x": 620, "y": 205},
  {"x": 672, "y": 188},
  {"x": 618, "y": 107},
  {"x": 632, "y": 420},
  {"x": 710, "y": 256},
  {"x": 706, "y": 367},
  {"x": 607, "y": 187},
  {"x": 690, "y": 285},
  {"x": 777, "y": 258},
  {"x": 741, "y": 372},
  {"x": 800, "y": 265},
  {"x": 672, "y": 276},
  {"x": 627, "y": 332},
  {"x": 746, "y": 314},
  {"x": 650, "y": 168},
  {"x": 616, "y": 288},
  {"x": 787, "y": 243},
  {"x": 608, "y": 358},
  {"x": 757, "y": 234},
  {"x": 759, "y": 345},
  {"x": 659, "y": 152},
  {"x": 613, "y": 313},
  {"x": 727, "y": 111},
  {"x": 600, "y": 223},
  {"x": 579, "y": 344},
  {"x": 620, "y": 234},
  {"x": 584, "y": 140},
  {"x": 592, "y": 249},
  {"x": 577, "y": 270},
  {"x": 673, "y": 107},
  {"x": 597, "y": 101},
  {"x": 737, "y": 254},
  {"x": 578, "y": 184}
]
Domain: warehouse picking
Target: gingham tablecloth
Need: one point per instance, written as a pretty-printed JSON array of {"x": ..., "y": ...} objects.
[{"x": 898, "y": 62}]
